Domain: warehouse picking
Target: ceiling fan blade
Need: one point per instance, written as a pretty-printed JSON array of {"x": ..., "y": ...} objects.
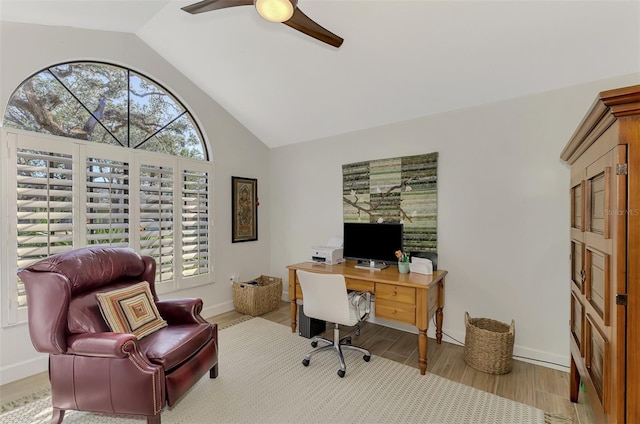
[
  {"x": 304, "y": 24},
  {"x": 209, "y": 5}
]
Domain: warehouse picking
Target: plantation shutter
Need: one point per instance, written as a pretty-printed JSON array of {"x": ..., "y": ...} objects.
[
  {"x": 195, "y": 223},
  {"x": 107, "y": 188},
  {"x": 71, "y": 195},
  {"x": 156, "y": 218},
  {"x": 44, "y": 208}
]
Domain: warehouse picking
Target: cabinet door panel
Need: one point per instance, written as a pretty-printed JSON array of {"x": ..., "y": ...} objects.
[
  {"x": 577, "y": 206},
  {"x": 597, "y": 360},
  {"x": 598, "y": 287},
  {"x": 597, "y": 204},
  {"x": 577, "y": 321},
  {"x": 577, "y": 264}
]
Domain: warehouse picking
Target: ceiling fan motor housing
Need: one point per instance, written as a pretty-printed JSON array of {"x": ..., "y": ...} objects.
[{"x": 276, "y": 10}]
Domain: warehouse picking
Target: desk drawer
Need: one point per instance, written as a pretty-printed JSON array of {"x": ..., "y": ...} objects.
[
  {"x": 359, "y": 285},
  {"x": 396, "y": 293},
  {"x": 395, "y": 311},
  {"x": 351, "y": 285}
]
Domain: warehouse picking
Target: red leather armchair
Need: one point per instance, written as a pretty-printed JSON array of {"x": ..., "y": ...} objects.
[{"x": 94, "y": 369}]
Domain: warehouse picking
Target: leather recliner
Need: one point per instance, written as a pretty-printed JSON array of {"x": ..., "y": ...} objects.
[{"x": 94, "y": 369}]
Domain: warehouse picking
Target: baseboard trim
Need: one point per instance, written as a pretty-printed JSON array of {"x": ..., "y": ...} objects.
[
  {"x": 220, "y": 308},
  {"x": 24, "y": 369}
]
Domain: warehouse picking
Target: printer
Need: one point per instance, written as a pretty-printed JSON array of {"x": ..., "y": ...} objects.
[{"x": 330, "y": 254}]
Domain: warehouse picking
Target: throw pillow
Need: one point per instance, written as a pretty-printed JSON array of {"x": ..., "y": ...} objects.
[{"x": 131, "y": 310}]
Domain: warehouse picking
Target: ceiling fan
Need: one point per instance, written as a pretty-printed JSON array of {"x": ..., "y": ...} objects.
[{"x": 285, "y": 11}]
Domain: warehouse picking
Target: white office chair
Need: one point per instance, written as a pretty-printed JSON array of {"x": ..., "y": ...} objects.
[{"x": 326, "y": 298}]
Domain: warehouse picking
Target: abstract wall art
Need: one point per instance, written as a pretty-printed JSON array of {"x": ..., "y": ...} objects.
[{"x": 402, "y": 189}]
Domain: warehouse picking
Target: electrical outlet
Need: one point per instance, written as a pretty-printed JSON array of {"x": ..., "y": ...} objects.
[{"x": 234, "y": 278}]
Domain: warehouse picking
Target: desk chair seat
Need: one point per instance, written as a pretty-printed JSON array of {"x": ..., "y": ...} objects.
[{"x": 326, "y": 298}]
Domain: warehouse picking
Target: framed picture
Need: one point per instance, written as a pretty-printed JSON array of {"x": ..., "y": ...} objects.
[{"x": 244, "y": 210}]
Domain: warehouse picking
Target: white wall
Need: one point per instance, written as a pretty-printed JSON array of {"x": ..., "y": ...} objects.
[
  {"x": 26, "y": 49},
  {"x": 503, "y": 208}
]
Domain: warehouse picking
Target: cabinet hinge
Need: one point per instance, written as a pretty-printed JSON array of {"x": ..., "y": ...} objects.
[
  {"x": 621, "y": 299},
  {"x": 622, "y": 169}
]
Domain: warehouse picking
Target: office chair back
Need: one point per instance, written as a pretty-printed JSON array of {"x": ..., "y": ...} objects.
[{"x": 325, "y": 297}]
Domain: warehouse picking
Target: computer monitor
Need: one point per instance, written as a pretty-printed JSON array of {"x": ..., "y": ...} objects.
[{"x": 373, "y": 245}]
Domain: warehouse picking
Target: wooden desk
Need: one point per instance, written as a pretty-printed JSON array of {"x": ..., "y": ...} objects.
[{"x": 408, "y": 298}]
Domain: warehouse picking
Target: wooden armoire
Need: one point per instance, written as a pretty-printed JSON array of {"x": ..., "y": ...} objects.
[{"x": 604, "y": 154}]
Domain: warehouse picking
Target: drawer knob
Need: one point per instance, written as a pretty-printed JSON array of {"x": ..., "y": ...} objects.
[
  {"x": 395, "y": 293},
  {"x": 394, "y": 312}
]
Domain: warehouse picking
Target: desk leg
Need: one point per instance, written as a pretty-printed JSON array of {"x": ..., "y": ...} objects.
[
  {"x": 422, "y": 322},
  {"x": 292, "y": 297},
  {"x": 294, "y": 313},
  {"x": 439, "y": 311},
  {"x": 422, "y": 351}
]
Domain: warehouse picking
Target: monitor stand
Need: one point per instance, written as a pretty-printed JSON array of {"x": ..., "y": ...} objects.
[{"x": 373, "y": 265}]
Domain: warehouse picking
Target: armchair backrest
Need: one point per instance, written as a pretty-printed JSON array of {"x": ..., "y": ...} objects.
[
  {"x": 61, "y": 291},
  {"x": 325, "y": 296}
]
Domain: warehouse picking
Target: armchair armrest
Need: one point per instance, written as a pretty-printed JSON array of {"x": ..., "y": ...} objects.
[
  {"x": 181, "y": 311},
  {"x": 105, "y": 345}
]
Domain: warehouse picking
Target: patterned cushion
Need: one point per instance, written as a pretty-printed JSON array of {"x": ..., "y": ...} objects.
[{"x": 131, "y": 310}]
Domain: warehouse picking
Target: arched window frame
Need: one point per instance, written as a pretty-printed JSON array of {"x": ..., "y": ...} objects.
[{"x": 158, "y": 204}]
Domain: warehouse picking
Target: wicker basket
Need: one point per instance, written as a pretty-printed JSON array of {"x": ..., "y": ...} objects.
[
  {"x": 258, "y": 296},
  {"x": 488, "y": 345}
]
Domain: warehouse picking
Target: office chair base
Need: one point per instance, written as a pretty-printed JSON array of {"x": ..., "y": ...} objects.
[
  {"x": 343, "y": 341},
  {"x": 337, "y": 344}
]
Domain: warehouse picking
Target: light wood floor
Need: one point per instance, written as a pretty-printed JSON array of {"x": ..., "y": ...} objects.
[{"x": 534, "y": 385}]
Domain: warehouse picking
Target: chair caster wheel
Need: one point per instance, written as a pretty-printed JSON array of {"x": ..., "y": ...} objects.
[
  {"x": 305, "y": 362},
  {"x": 366, "y": 358},
  {"x": 340, "y": 373},
  {"x": 347, "y": 341},
  {"x": 314, "y": 344}
]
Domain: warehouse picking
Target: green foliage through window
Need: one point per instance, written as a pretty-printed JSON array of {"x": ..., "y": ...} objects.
[{"x": 107, "y": 104}]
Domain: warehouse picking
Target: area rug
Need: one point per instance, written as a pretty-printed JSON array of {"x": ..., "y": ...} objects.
[{"x": 262, "y": 380}]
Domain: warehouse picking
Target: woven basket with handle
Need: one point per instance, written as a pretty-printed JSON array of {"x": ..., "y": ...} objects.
[
  {"x": 259, "y": 296},
  {"x": 488, "y": 344}
]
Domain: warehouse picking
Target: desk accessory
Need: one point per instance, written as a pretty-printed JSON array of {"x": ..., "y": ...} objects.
[
  {"x": 330, "y": 254},
  {"x": 421, "y": 266},
  {"x": 403, "y": 267}
]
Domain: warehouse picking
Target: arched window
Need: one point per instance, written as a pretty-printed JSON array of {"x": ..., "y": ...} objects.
[
  {"x": 118, "y": 160},
  {"x": 105, "y": 104}
]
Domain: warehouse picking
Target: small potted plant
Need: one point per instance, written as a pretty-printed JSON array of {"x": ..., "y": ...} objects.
[{"x": 403, "y": 262}]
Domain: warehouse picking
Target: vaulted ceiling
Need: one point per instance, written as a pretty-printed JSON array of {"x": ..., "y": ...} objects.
[{"x": 400, "y": 59}]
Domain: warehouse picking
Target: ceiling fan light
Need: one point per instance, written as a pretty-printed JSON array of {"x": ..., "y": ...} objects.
[{"x": 275, "y": 10}]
